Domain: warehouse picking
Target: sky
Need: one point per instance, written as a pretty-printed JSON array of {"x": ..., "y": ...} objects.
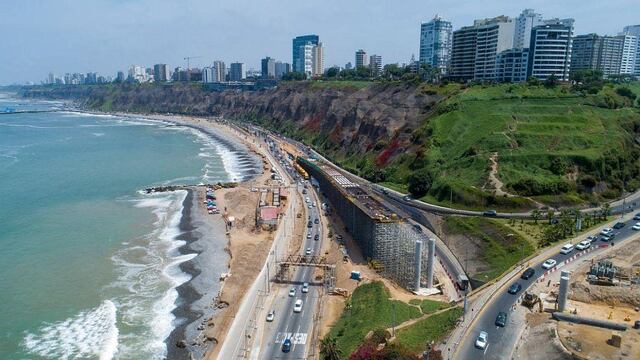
[{"x": 66, "y": 36}]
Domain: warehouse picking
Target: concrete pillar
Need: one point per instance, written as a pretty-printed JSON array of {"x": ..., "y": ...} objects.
[
  {"x": 564, "y": 290},
  {"x": 431, "y": 261},
  {"x": 418, "y": 266}
]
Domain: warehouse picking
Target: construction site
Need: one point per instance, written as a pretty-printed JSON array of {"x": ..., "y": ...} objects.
[
  {"x": 395, "y": 248},
  {"x": 595, "y": 309}
]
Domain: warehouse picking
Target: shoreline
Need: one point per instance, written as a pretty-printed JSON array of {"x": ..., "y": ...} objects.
[{"x": 202, "y": 309}]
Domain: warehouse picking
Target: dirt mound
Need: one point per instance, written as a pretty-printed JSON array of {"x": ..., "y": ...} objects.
[{"x": 609, "y": 295}]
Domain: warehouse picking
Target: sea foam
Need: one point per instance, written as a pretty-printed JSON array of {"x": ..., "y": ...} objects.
[{"x": 89, "y": 334}]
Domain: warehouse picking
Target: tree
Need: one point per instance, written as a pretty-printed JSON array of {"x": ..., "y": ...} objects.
[
  {"x": 551, "y": 81},
  {"x": 605, "y": 211},
  {"x": 419, "y": 183},
  {"x": 293, "y": 76},
  {"x": 329, "y": 349},
  {"x": 550, "y": 215},
  {"x": 535, "y": 214},
  {"x": 333, "y": 72}
]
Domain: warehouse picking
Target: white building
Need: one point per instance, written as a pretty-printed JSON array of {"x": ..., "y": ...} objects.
[
  {"x": 629, "y": 55},
  {"x": 526, "y": 21},
  {"x": 435, "y": 43},
  {"x": 208, "y": 75},
  {"x": 635, "y": 31},
  {"x": 219, "y": 71},
  {"x": 361, "y": 59},
  {"x": 550, "y": 50},
  {"x": 317, "y": 59}
]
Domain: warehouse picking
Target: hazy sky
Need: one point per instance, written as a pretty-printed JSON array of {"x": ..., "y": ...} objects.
[{"x": 42, "y": 36}]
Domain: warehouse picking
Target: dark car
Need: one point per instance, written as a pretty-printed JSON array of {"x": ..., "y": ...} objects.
[
  {"x": 317, "y": 237},
  {"x": 490, "y": 213},
  {"x": 309, "y": 225},
  {"x": 501, "y": 319},
  {"x": 607, "y": 238},
  {"x": 527, "y": 274},
  {"x": 514, "y": 288},
  {"x": 637, "y": 217},
  {"x": 316, "y": 221},
  {"x": 286, "y": 346},
  {"x": 619, "y": 225}
]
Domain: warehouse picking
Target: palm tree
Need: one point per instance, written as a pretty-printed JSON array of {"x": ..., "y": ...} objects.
[
  {"x": 606, "y": 211},
  {"x": 550, "y": 215},
  {"x": 329, "y": 349},
  {"x": 535, "y": 214}
]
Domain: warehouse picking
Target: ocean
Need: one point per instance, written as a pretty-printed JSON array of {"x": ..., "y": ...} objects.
[{"x": 89, "y": 266}]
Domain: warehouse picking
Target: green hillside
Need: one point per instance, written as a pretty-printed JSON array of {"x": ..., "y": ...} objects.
[{"x": 552, "y": 145}]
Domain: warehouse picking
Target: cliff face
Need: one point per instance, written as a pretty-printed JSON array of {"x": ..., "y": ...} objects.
[{"x": 344, "y": 117}]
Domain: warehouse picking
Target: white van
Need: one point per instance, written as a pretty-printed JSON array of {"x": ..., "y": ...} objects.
[
  {"x": 297, "y": 307},
  {"x": 567, "y": 248}
]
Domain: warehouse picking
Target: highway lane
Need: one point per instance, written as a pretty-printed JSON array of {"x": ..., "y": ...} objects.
[
  {"x": 298, "y": 327},
  {"x": 502, "y": 340}
]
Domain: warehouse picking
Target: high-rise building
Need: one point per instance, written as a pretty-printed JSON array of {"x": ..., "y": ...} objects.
[
  {"x": 219, "y": 71},
  {"x": 634, "y": 30},
  {"x": 475, "y": 48},
  {"x": 120, "y": 76},
  {"x": 550, "y": 49},
  {"x": 208, "y": 75},
  {"x": 630, "y": 55},
  {"x": 613, "y": 55},
  {"x": 610, "y": 57},
  {"x": 298, "y": 59},
  {"x": 435, "y": 43},
  {"x": 585, "y": 52},
  {"x": 348, "y": 66},
  {"x": 526, "y": 21},
  {"x": 282, "y": 68},
  {"x": 317, "y": 59},
  {"x": 361, "y": 59},
  {"x": 236, "y": 72},
  {"x": 511, "y": 65},
  {"x": 91, "y": 78},
  {"x": 375, "y": 64},
  {"x": 268, "y": 68},
  {"x": 160, "y": 72}
]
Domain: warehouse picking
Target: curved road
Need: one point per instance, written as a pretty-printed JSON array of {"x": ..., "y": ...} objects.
[{"x": 502, "y": 341}]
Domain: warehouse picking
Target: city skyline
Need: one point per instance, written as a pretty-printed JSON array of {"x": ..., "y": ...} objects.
[{"x": 60, "y": 41}]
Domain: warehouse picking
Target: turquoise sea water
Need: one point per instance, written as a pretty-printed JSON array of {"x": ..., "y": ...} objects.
[{"x": 88, "y": 265}]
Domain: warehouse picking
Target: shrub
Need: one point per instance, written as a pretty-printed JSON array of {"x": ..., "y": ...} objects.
[{"x": 419, "y": 183}]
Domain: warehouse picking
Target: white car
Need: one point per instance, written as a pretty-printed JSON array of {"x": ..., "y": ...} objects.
[
  {"x": 482, "y": 340},
  {"x": 309, "y": 206},
  {"x": 583, "y": 245},
  {"x": 292, "y": 292},
  {"x": 297, "y": 307},
  {"x": 606, "y": 231},
  {"x": 567, "y": 248},
  {"x": 271, "y": 315},
  {"x": 308, "y": 235},
  {"x": 308, "y": 252},
  {"x": 549, "y": 264},
  {"x": 636, "y": 227},
  {"x": 305, "y": 288}
]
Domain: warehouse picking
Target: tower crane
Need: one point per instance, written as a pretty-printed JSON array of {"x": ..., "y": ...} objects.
[{"x": 188, "y": 58}]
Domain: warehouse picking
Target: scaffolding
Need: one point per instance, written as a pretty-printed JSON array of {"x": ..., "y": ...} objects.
[
  {"x": 284, "y": 272},
  {"x": 379, "y": 233}
]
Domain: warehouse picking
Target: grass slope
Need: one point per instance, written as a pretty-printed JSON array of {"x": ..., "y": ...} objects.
[
  {"x": 369, "y": 308},
  {"x": 416, "y": 337}
]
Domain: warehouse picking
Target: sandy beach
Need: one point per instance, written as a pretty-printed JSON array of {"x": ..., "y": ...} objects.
[{"x": 208, "y": 305}]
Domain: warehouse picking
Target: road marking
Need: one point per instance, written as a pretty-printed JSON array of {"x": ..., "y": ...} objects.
[
  {"x": 297, "y": 338},
  {"x": 485, "y": 350}
]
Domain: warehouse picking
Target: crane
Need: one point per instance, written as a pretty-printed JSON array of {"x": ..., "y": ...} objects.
[{"x": 188, "y": 58}]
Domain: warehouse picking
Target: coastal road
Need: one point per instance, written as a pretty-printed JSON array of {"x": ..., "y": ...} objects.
[
  {"x": 502, "y": 341},
  {"x": 298, "y": 327}
]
